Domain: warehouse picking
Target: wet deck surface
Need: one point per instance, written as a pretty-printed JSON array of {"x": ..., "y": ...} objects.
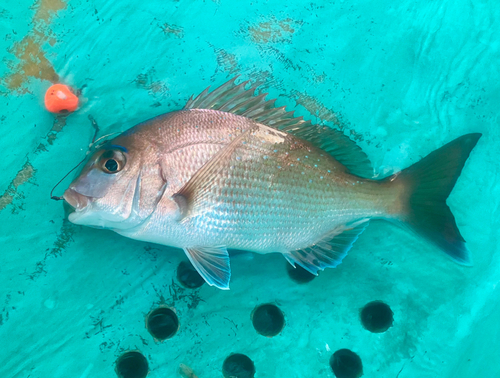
[{"x": 400, "y": 79}]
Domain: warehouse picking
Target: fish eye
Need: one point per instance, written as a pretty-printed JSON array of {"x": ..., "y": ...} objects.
[
  {"x": 111, "y": 165},
  {"x": 112, "y": 161}
]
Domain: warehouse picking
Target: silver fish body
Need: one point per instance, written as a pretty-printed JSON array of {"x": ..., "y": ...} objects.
[
  {"x": 241, "y": 175},
  {"x": 278, "y": 193}
]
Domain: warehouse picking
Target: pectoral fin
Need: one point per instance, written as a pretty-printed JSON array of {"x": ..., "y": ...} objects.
[
  {"x": 193, "y": 194},
  {"x": 328, "y": 252},
  {"x": 212, "y": 263}
]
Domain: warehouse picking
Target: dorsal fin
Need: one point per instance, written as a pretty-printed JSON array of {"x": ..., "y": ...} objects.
[
  {"x": 234, "y": 98},
  {"x": 338, "y": 145}
]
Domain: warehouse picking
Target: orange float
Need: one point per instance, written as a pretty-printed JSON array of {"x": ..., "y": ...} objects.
[{"x": 60, "y": 99}]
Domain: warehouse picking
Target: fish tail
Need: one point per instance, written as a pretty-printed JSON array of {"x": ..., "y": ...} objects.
[{"x": 426, "y": 186}]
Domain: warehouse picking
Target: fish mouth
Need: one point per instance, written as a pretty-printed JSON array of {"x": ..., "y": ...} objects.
[{"x": 76, "y": 200}]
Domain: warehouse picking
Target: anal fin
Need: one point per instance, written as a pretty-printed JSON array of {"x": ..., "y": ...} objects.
[
  {"x": 329, "y": 251},
  {"x": 212, "y": 263}
]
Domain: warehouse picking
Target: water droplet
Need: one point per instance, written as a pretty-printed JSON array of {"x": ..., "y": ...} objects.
[
  {"x": 315, "y": 165},
  {"x": 329, "y": 171},
  {"x": 275, "y": 151},
  {"x": 307, "y": 156},
  {"x": 310, "y": 181},
  {"x": 321, "y": 177},
  {"x": 238, "y": 158},
  {"x": 298, "y": 159},
  {"x": 279, "y": 166},
  {"x": 265, "y": 157},
  {"x": 303, "y": 173}
]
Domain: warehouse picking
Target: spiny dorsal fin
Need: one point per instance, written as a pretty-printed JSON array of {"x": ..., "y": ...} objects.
[{"x": 234, "y": 98}]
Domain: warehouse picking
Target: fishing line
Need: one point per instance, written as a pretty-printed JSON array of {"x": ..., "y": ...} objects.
[{"x": 92, "y": 144}]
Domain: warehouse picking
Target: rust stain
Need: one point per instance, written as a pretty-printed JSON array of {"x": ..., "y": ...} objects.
[
  {"x": 41, "y": 148},
  {"x": 227, "y": 61},
  {"x": 316, "y": 108},
  {"x": 58, "y": 125},
  {"x": 32, "y": 60},
  {"x": 273, "y": 30},
  {"x": 154, "y": 87},
  {"x": 175, "y": 30},
  {"x": 46, "y": 8},
  {"x": 319, "y": 78},
  {"x": 26, "y": 173},
  {"x": 186, "y": 372},
  {"x": 64, "y": 238}
]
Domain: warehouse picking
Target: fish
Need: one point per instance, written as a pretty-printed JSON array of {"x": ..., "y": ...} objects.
[{"x": 231, "y": 170}]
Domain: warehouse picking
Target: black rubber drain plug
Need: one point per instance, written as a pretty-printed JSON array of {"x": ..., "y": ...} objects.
[
  {"x": 188, "y": 276},
  {"x": 238, "y": 366},
  {"x": 268, "y": 320},
  {"x": 346, "y": 364},
  {"x": 377, "y": 317},
  {"x": 132, "y": 365},
  {"x": 299, "y": 274},
  {"x": 162, "y": 323}
]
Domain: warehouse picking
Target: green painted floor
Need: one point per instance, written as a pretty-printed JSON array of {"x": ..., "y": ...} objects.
[{"x": 401, "y": 79}]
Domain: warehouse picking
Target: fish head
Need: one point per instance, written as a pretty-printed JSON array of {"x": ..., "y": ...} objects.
[{"x": 119, "y": 186}]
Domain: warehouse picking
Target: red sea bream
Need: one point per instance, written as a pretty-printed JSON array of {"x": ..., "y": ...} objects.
[{"x": 232, "y": 171}]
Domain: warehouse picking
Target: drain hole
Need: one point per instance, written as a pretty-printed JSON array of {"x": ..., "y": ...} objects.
[
  {"x": 377, "y": 317},
  {"x": 162, "y": 323},
  {"x": 346, "y": 364},
  {"x": 238, "y": 366},
  {"x": 268, "y": 320},
  {"x": 188, "y": 276},
  {"x": 299, "y": 274},
  {"x": 132, "y": 365}
]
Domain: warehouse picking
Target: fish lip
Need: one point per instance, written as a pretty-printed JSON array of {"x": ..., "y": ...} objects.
[{"x": 76, "y": 200}]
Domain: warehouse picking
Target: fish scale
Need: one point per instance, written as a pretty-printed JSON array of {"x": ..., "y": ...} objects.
[{"x": 311, "y": 199}]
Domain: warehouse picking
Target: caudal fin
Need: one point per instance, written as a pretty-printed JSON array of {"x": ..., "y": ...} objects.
[{"x": 427, "y": 185}]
